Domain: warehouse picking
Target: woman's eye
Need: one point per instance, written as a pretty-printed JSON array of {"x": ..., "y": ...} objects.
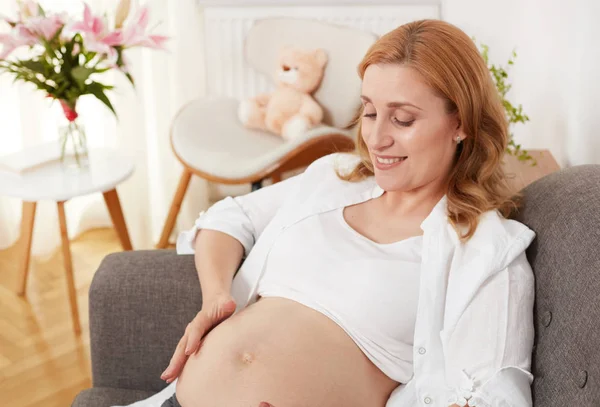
[
  {"x": 404, "y": 124},
  {"x": 370, "y": 115}
]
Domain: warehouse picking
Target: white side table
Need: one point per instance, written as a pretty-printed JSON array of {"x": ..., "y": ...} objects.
[{"x": 107, "y": 169}]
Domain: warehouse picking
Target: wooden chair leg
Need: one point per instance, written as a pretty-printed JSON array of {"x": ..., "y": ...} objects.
[
  {"x": 184, "y": 182},
  {"x": 66, "y": 249},
  {"x": 111, "y": 198},
  {"x": 27, "y": 221}
]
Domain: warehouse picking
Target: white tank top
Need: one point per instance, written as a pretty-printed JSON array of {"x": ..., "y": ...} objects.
[{"x": 369, "y": 289}]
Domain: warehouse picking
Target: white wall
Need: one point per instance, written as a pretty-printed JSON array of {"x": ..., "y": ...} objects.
[
  {"x": 583, "y": 141},
  {"x": 555, "y": 76}
]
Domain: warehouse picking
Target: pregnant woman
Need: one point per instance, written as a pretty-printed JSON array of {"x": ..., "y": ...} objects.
[{"x": 389, "y": 277}]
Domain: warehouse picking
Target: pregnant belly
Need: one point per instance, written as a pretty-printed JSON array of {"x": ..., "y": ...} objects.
[{"x": 283, "y": 352}]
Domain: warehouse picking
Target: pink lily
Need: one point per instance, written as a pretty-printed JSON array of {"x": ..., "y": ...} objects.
[
  {"x": 9, "y": 44},
  {"x": 45, "y": 27},
  {"x": 28, "y": 9},
  {"x": 25, "y": 35},
  {"x": 8, "y": 20},
  {"x": 18, "y": 37},
  {"x": 135, "y": 33},
  {"x": 91, "y": 24},
  {"x": 122, "y": 12},
  {"x": 97, "y": 37}
]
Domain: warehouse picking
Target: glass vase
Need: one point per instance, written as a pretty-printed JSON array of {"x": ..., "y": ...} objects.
[{"x": 73, "y": 146}]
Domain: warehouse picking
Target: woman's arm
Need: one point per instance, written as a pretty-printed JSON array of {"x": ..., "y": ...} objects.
[
  {"x": 224, "y": 234},
  {"x": 488, "y": 355},
  {"x": 243, "y": 218},
  {"x": 219, "y": 240},
  {"x": 221, "y": 257}
]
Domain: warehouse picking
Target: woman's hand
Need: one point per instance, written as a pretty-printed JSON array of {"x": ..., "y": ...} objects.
[{"x": 214, "y": 310}]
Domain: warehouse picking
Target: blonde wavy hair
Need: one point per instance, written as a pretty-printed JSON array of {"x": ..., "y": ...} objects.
[{"x": 452, "y": 66}]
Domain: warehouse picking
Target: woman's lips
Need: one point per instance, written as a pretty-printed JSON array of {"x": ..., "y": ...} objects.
[{"x": 387, "y": 163}]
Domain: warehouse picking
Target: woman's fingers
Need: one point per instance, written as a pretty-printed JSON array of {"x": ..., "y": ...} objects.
[
  {"x": 177, "y": 360},
  {"x": 197, "y": 329},
  {"x": 228, "y": 307},
  {"x": 205, "y": 321},
  {"x": 195, "y": 332}
]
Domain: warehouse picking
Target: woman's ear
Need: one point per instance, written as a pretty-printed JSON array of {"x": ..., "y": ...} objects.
[
  {"x": 458, "y": 121},
  {"x": 459, "y": 132}
]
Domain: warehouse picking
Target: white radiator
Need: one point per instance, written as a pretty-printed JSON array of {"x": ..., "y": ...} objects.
[{"x": 227, "y": 74}]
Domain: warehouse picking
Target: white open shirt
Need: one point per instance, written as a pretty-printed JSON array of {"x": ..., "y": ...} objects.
[{"x": 474, "y": 328}]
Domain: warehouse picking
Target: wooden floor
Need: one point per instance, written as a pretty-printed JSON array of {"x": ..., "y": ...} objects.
[{"x": 42, "y": 362}]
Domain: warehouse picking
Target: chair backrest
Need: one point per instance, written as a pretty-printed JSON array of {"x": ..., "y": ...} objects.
[
  {"x": 339, "y": 93},
  {"x": 563, "y": 209}
]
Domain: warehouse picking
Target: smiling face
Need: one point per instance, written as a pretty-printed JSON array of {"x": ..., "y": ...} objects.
[{"x": 403, "y": 117}]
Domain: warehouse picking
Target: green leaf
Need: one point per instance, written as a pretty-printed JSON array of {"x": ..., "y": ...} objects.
[
  {"x": 88, "y": 55},
  {"x": 81, "y": 74},
  {"x": 72, "y": 93},
  {"x": 97, "y": 89},
  {"x": 499, "y": 75},
  {"x": 50, "y": 51},
  {"x": 35, "y": 66},
  {"x": 57, "y": 34},
  {"x": 62, "y": 87},
  {"x": 128, "y": 75}
]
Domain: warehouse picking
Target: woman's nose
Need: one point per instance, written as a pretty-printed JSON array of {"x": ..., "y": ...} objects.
[{"x": 379, "y": 139}]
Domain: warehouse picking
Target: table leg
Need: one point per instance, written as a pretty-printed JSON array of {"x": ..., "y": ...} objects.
[
  {"x": 184, "y": 182},
  {"x": 27, "y": 221},
  {"x": 116, "y": 214},
  {"x": 66, "y": 249}
]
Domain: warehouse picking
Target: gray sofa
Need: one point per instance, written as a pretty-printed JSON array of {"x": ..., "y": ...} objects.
[{"x": 140, "y": 303}]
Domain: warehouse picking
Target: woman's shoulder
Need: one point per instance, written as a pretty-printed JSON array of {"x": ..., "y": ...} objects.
[
  {"x": 326, "y": 170},
  {"x": 500, "y": 238},
  {"x": 328, "y": 164},
  {"x": 493, "y": 224},
  {"x": 321, "y": 181}
]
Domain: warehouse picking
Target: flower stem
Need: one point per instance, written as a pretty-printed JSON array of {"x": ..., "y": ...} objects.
[
  {"x": 63, "y": 146},
  {"x": 72, "y": 130}
]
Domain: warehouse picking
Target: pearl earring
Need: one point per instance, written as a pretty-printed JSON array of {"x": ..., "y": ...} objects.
[{"x": 458, "y": 140}]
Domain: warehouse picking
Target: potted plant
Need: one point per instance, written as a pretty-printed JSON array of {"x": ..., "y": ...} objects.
[
  {"x": 67, "y": 56},
  {"x": 514, "y": 114}
]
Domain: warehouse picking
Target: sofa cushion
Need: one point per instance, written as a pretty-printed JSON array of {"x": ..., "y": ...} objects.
[{"x": 563, "y": 209}]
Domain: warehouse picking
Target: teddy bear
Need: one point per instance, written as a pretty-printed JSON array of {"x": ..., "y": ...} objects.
[{"x": 290, "y": 110}]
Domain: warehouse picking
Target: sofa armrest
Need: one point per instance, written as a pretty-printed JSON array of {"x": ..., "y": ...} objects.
[{"x": 140, "y": 303}]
